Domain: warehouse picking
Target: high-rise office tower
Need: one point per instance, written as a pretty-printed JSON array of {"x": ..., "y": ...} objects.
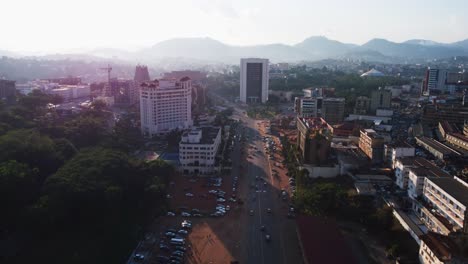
[
  {"x": 165, "y": 105},
  {"x": 435, "y": 80},
  {"x": 254, "y": 80}
]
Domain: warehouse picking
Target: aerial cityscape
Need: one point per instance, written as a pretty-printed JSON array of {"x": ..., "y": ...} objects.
[{"x": 206, "y": 132}]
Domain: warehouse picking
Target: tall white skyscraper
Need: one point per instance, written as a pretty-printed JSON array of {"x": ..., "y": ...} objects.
[
  {"x": 254, "y": 80},
  {"x": 165, "y": 105}
]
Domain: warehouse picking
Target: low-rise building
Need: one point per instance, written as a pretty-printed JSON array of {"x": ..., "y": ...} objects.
[
  {"x": 371, "y": 144},
  {"x": 197, "y": 150},
  {"x": 436, "y": 148},
  {"x": 458, "y": 140}
]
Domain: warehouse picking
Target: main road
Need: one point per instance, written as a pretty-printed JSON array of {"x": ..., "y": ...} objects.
[{"x": 262, "y": 197}]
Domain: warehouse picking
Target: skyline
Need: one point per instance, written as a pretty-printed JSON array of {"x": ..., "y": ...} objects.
[{"x": 81, "y": 25}]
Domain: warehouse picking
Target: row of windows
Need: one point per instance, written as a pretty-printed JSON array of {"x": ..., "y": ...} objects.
[
  {"x": 197, "y": 157},
  {"x": 196, "y": 153},
  {"x": 198, "y": 148}
]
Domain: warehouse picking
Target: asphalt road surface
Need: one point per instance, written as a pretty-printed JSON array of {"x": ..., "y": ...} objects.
[{"x": 259, "y": 197}]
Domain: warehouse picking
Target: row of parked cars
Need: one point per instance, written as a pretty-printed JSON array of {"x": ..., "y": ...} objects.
[{"x": 173, "y": 249}]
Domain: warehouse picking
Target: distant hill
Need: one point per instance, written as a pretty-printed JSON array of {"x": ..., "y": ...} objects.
[{"x": 201, "y": 51}]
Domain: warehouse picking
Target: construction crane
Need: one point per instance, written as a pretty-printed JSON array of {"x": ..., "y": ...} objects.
[{"x": 107, "y": 89}]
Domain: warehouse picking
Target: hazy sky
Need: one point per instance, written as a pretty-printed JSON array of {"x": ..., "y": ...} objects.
[{"x": 59, "y": 25}]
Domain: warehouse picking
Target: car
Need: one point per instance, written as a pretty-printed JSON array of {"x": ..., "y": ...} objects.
[
  {"x": 185, "y": 214},
  {"x": 212, "y": 191},
  {"x": 262, "y": 228},
  {"x": 164, "y": 247},
  {"x": 139, "y": 257},
  {"x": 220, "y": 200},
  {"x": 182, "y": 232},
  {"x": 267, "y": 237},
  {"x": 228, "y": 208},
  {"x": 197, "y": 215},
  {"x": 170, "y": 214},
  {"x": 181, "y": 248},
  {"x": 171, "y": 230},
  {"x": 170, "y": 234},
  {"x": 232, "y": 200},
  {"x": 251, "y": 212},
  {"x": 168, "y": 196},
  {"x": 189, "y": 194},
  {"x": 178, "y": 253},
  {"x": 269, "y": 210},
  {"x": 234, "y": 189},
  {"x": 175, "y": 258}
]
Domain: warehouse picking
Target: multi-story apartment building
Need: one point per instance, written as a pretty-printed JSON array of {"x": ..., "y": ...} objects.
[
  {"x": 449, "y": 198},
  {"x": 392, "y": 151},
  {"x": 165, "y": 105},
  {"x": 70, "y": 92},
  {"x": 254, "y": 78},
  {"x": 333, "y": 110},
  {"x": 372, "y": 144},
  {"x": 312, "y": 141},
  {"x": 416, "y": 178},
  {"x": 403, "y": 166},
  {"x": 362, "y": 105},
  {"x": 197, "y": 150},
  {"x": 307, "y": 106},
  {"x": 380, "y": 99}
]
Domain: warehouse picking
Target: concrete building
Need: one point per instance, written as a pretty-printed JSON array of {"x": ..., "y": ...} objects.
[
  {"x": 458, "y": 140},
  {"x": 435, "y": 81},
  {"x": 125, "y": 92},
  {"x": 372, "y": 144},
  {"x": 197, "y": 150},
  {"x": 307, "y": 106},
  {"x": 362, "y": 105},
  {"x": 7, "y": 89},
  {"x": 141, "y": 75},
  {"x": 436, "y": 148},
  {"x": 165, "y": 105},
  {"x": 312, "y": 142},
  {"x": 70, "y": 92},
  {"x": 380, "y": 99},
  {"x": 436, "y": 249},
  {"x": 392, "y": 151},
  {"x": 454, "y": 114},
  {"x": 417, "y": 176},
  {"x": 449, "y": 198},
  {"x": 254, "y": 80},
  {"x": 333, "y": 110},
  {"x": 403, "y": 166}
]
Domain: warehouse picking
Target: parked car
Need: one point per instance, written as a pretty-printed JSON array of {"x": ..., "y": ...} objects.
[
  {"x": 185, "y": 214},
  {"x": 170, "y": 214},
  {"x": 182, "y": 232},
  {"x": 220, "y": 200},
  {"x": 189, "y": 194}
]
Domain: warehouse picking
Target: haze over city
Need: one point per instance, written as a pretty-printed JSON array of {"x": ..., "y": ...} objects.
[
  {"x": 52, "y": 26},
  {"x": 233, "y": 132}
]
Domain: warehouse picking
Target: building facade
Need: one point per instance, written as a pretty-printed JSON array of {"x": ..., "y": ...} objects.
[
  {"x": 254, "y": 80},
  {"x": 307, "y": 106},
  {"x": 372, "y": 144},
  {"x": 380, "y": 99},
  {"x": 7, "y": 89},
  {"x": 333, "y": 110},
  {"x": 312, "y": 141},
  {"x": 449, "y": 198},
  {"x": 362, "y": 105},
  {"x": 397, "y": 150},
  {"x": 198, "y": 149},
  {"x": 165, "y": 105}
]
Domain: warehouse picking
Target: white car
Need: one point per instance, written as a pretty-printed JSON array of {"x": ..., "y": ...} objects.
[
  {"x": 189, "y": 194},
  {"x": 170, "y": 214},
  {"x": 220, "y": 200},
  {"x": 228, "y": 208}
]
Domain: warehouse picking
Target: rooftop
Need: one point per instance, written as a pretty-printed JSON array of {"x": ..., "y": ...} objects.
[
  {"x": 373, "y": 73},
  {"x": 440, "y": 245},
  {"x": 452, "y": 187},
  {"x": 427, "y": 168},
  {"x": 208, "y": 135},
  {"x": 313, "y": 123},
  {"x": 435, "y": 145}
]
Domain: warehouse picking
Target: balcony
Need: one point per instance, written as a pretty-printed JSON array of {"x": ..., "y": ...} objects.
[{"x": 442, "y": 205}]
